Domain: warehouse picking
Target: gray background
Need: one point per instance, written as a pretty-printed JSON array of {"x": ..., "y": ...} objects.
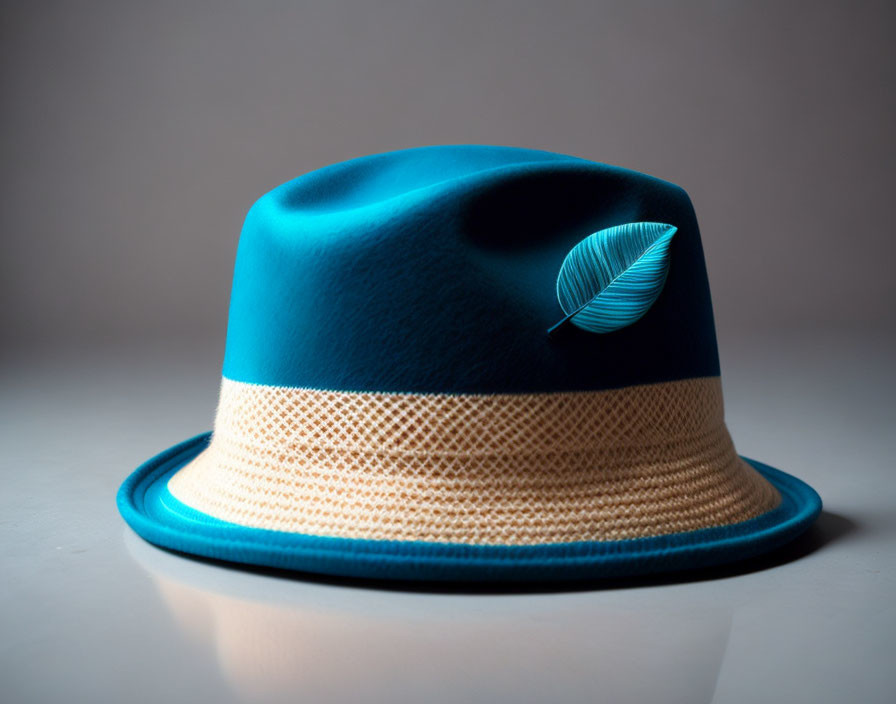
[{"x": 134, "y": 137}]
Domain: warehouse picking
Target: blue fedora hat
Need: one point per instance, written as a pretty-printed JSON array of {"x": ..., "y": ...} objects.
[{"x": 469, "y": 363}]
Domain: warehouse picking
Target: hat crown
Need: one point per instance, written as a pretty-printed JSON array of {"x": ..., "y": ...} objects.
[{"x": 433, "y": 270}]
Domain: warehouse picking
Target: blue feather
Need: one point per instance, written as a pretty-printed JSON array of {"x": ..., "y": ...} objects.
[{"x": 611, "y": 278}]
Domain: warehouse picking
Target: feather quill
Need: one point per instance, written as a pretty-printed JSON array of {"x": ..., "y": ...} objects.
[{"x": 612, "y": 277}]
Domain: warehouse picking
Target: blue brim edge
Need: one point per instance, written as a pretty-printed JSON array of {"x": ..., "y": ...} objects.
[{"x": 152, "y": 511}]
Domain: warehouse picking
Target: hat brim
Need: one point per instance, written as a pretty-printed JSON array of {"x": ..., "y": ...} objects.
[{"x": 152, "y": 511}]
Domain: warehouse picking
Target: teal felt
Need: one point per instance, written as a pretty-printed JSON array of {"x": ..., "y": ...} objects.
[
  {"x": 147, "y": 505},
  {"x": 434, "y": 270}
]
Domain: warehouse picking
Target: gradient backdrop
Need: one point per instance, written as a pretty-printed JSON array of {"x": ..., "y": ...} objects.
[{"x": 134, "y": 136}]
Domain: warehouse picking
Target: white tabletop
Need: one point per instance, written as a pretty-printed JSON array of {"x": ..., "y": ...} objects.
[{"x": 91, "y": 613}]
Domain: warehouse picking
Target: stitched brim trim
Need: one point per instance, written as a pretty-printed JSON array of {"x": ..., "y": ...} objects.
[{"x": 149, "y": 508}]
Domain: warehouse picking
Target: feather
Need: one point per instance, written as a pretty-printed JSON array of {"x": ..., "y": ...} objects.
[{"x": 612, "y": 277}]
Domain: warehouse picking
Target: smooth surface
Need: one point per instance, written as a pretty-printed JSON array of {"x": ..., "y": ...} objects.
[
  {"x": 90, "y": 613},
  {"x": 134, "y": 136}
]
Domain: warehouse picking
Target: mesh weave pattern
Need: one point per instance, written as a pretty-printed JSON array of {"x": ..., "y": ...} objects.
[{"x": 477, "y": 469}]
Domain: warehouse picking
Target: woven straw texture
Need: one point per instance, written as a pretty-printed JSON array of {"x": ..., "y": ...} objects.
[{"x": 477, "y": 469}]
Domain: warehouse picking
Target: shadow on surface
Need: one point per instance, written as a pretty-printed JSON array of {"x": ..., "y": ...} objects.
[{"x": 828, "y": 528}]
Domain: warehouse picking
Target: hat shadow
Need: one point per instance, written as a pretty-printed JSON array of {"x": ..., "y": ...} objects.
[{"x": 828, "y": 528}]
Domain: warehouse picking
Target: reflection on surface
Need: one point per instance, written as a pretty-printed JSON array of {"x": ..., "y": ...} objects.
[{"x": 278, "y": 639}]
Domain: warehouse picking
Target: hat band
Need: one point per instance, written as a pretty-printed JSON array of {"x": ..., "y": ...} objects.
[{"x": 507, "y": 469}]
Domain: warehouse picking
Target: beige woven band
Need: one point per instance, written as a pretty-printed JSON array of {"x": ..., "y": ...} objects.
[{"x": 478, "y": 469}]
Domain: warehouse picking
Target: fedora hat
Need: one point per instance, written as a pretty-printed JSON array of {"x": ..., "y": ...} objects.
[{"x": 469, "y": 363}]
